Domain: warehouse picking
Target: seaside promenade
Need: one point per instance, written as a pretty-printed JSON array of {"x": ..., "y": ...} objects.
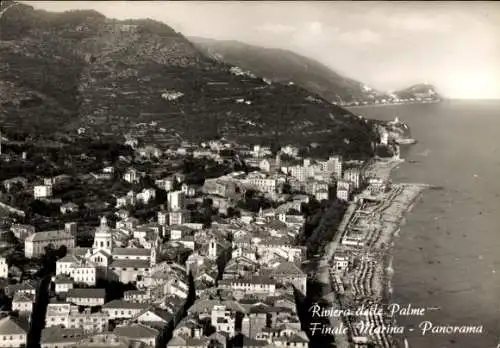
[
  {"x": 366, "y": 235},
  {"x": 341, "y": 341}
]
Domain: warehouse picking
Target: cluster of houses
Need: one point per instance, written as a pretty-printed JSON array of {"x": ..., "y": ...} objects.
[{"x": 242, "y": 270}]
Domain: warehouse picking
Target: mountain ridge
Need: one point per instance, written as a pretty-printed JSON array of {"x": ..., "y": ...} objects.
[{"x": 282, "y": 65}]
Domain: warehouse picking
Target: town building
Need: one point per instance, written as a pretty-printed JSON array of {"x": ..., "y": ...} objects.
[
  {"x": 22, "y": 231},
  {"x": 62, "y": 284},
  {"x": 42, "y": 191},
  {"x": 166, "y": 184},
  {"x": 87, "y": 297},
  {"x": 334, "y": 166},
  {"x": 343, "y": 190},
  {"x": 178, "y": 217},
  {"x": 69, "y": 208},
  {"x": 120, "y": 309},
  {"x": 288, "y": 273},
  {"x": 58, "y": 337},
  {"x": 23, "y": 303},
  {"x": 13, "y": 332},
  {"x": 148, "y": 336},
  {"x": 34, "y": 245},
  {"x": 132, "y": 176},
  {"x": 70, "y": 316},
  {"x": 176, "y": 200},
  {"x": 353, "y": 175},
  {"x": 4, "y": 268}
]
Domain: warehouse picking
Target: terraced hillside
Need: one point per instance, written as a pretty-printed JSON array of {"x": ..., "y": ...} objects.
[
  {"x": 285, "y": 66},
  {"x": 81, "y": 69}
]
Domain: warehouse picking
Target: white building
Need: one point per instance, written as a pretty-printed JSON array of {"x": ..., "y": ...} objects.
[
  {"x": 71, "y": 228},
  {"x": 334, "y": 166},
  {"x": 321, "y": 195},
  {"x": 223, "y": 320},
  {"x": 106, "y": 261},
  {"x": 58, "y": 337},
  {"x": 120, "y": 309},
  {"x": 42, "y": 191},
  {"x": 13, "y": 332},
  {"x": 34, "y": 245},
  {"x": 146, "y": 195},
  {"x": 178, "y": 217},
  {"x": 342, "y": 194},
  {"x": 255, "y": 285},
  {"x": 288, "y": 273},
  {"x": 176, "y": 200},
  {"x": 353, "y": 175},
  {"x": 68, "y": 316},
  {"x": 62, "y": 284},
  {"x": 103, "y": 239},
  {"x": 166, "y": 184},
  {"x": 83, "y": 273},
  {"x": 343, "y": 190},
  {"x": 340, "y": 262},
  {"x": 304, "y": 172},
  {"x": 263, "y": 184},
  {"x": 4, "y": 268},
  {"x": 86, "y": 297},
  {"x": 22, "y": 231},
  {"x": 130, "y": 271},
  {"x": 290, "y": 151},
  {"x": 261, "y": 151},
  {"x": 23, "y": 303},
  {"x": 147, "y": 335},
  {"x": 163, "y": 217},
  {"x": 384, "y": 137},
  {"x": 132, "y": 176}
]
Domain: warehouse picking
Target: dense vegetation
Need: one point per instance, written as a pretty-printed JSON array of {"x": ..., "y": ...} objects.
[{"x": 321, "y": 224}]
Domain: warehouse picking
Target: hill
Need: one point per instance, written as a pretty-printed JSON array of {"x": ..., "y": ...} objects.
[
  {"x": 419, "y": 91},
  {"x": 285, "y": 66},
  {"x": 64, "y": 71}
]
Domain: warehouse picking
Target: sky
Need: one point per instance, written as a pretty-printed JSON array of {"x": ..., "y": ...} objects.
[{"x": 387, "y": 45}]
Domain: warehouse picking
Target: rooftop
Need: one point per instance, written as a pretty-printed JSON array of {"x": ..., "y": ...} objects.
[
  {"x": 49, "y": 235},
  {"x": 23, "y": 297},
  {"x": 130, "y": 264},
  {"x": 86, "y": 293},
  {"x": 248, "y": 280},
  {"x": 124, "y": 304},
  {"x": 13, "y": 326},
  {"x": 60, "y": 335},
  {"x": 136, "y": 331},
  {"x": 288, "y": 268},
  {"x": 131, "y": 252}
]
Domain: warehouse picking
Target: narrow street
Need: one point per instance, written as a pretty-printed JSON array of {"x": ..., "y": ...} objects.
[{"x": 39, "y": 311}]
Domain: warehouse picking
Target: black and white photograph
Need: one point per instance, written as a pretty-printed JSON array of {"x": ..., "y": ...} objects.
[{"x": 249, "y": 174}]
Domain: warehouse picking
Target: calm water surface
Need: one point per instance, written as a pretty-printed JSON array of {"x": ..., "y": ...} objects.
[{"x": 448, "y": 252}]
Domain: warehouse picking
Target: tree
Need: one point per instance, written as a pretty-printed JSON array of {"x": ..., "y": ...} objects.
[{"x": 286, "y": 188}]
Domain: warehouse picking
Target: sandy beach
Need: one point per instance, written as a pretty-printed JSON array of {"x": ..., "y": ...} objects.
[{"x": 366, "y": 235}]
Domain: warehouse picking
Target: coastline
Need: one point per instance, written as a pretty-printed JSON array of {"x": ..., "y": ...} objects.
[
  {"x": 367, "y": 280},
  {"x": 389, "y": 104}
]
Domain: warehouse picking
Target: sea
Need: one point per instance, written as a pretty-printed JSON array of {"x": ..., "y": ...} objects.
[{"x": 447, "y": 255}]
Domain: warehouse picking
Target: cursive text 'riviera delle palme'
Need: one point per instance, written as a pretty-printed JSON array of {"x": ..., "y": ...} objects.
[{"x": 393, "y": 309}]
